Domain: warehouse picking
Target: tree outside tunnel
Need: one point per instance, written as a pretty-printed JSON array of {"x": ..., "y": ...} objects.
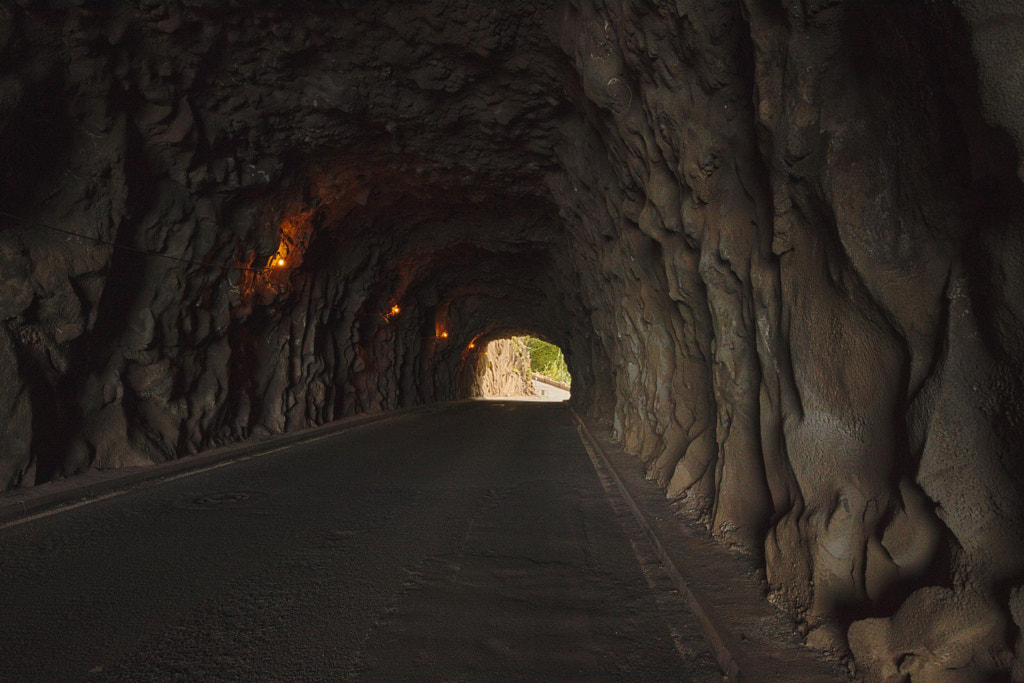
[{"x": 547, "y": 360}]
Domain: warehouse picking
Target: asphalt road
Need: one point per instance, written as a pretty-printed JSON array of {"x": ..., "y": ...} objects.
[{"x": 475, "y": 543}]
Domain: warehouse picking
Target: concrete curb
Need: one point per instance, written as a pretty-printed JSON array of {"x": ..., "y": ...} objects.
[
  {"x": 724, "y": 644},
  {"x": 550, "y": 382},
  {"x": 95, "y": 484}
]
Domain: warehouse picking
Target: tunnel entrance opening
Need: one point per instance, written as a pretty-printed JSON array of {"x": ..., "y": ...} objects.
[{"x": 522, "y": 367}]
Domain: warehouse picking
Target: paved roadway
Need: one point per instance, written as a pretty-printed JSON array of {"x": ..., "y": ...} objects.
[{"x": 475, "y": 543}]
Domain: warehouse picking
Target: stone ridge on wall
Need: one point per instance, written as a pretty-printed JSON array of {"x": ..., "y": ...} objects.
[{"x": 780, "y": 242}]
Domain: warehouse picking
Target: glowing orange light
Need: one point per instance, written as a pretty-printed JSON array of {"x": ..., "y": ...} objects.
[
  {"x": 395, "y": 310},
  {"x": 444, "y": 335},
  {"x": 472, "y": 345},
  {"x": 280, "y": 261}
]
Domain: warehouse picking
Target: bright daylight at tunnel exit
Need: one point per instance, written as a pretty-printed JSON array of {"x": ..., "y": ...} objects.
[
  {"x": 533, "y": 340},
  {"x": 525, "y": 367}
]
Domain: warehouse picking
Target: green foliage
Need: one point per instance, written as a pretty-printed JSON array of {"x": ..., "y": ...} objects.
[{"x": 547, "y": 359}]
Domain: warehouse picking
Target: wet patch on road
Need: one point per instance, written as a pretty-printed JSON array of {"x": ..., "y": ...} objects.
[{"x": 221, "y": 499}]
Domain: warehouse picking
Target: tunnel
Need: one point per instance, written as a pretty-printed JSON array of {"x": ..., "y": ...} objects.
[{"x": 780, "y": 242}]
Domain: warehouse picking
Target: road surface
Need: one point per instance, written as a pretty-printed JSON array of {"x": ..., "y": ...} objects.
[
  {"x": 472, "y": 543},
  {"x": 549, "y": 391}
]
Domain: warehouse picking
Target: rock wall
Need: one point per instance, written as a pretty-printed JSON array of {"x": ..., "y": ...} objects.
[
  {"x": 503, "y": 369},
  {"x": 828, "y": 354},
  {"x": 780, "y": 242}
]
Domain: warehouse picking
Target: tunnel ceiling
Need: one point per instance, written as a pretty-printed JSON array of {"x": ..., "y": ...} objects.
[{"x": 779, "y": 241}]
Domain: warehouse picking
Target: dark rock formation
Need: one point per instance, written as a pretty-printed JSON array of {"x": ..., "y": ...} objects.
[{"x": 781, "y": 243}]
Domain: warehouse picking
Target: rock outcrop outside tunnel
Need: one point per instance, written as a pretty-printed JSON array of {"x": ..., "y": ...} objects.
[
  {"x": 503, "y": 370},
  {"x": 778, "y": 241}
]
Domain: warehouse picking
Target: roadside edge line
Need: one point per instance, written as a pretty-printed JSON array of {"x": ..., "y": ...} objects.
[
  {"x": 723, "y": 644},
  {"x": 15, "y": 512}
]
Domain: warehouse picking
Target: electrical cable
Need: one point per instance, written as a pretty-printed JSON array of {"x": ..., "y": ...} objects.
[{"x": 125, "y": 247}]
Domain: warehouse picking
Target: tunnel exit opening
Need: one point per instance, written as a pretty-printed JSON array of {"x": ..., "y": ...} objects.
[{"x": 522, "y": 367}]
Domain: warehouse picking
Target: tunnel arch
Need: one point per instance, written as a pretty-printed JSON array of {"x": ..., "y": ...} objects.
[{"x": 778, "y": 279}]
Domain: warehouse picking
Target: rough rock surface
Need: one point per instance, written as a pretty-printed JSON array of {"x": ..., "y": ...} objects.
[
  {"x": 503, "y": 369},
  {"x": 780, "y": 242}
]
